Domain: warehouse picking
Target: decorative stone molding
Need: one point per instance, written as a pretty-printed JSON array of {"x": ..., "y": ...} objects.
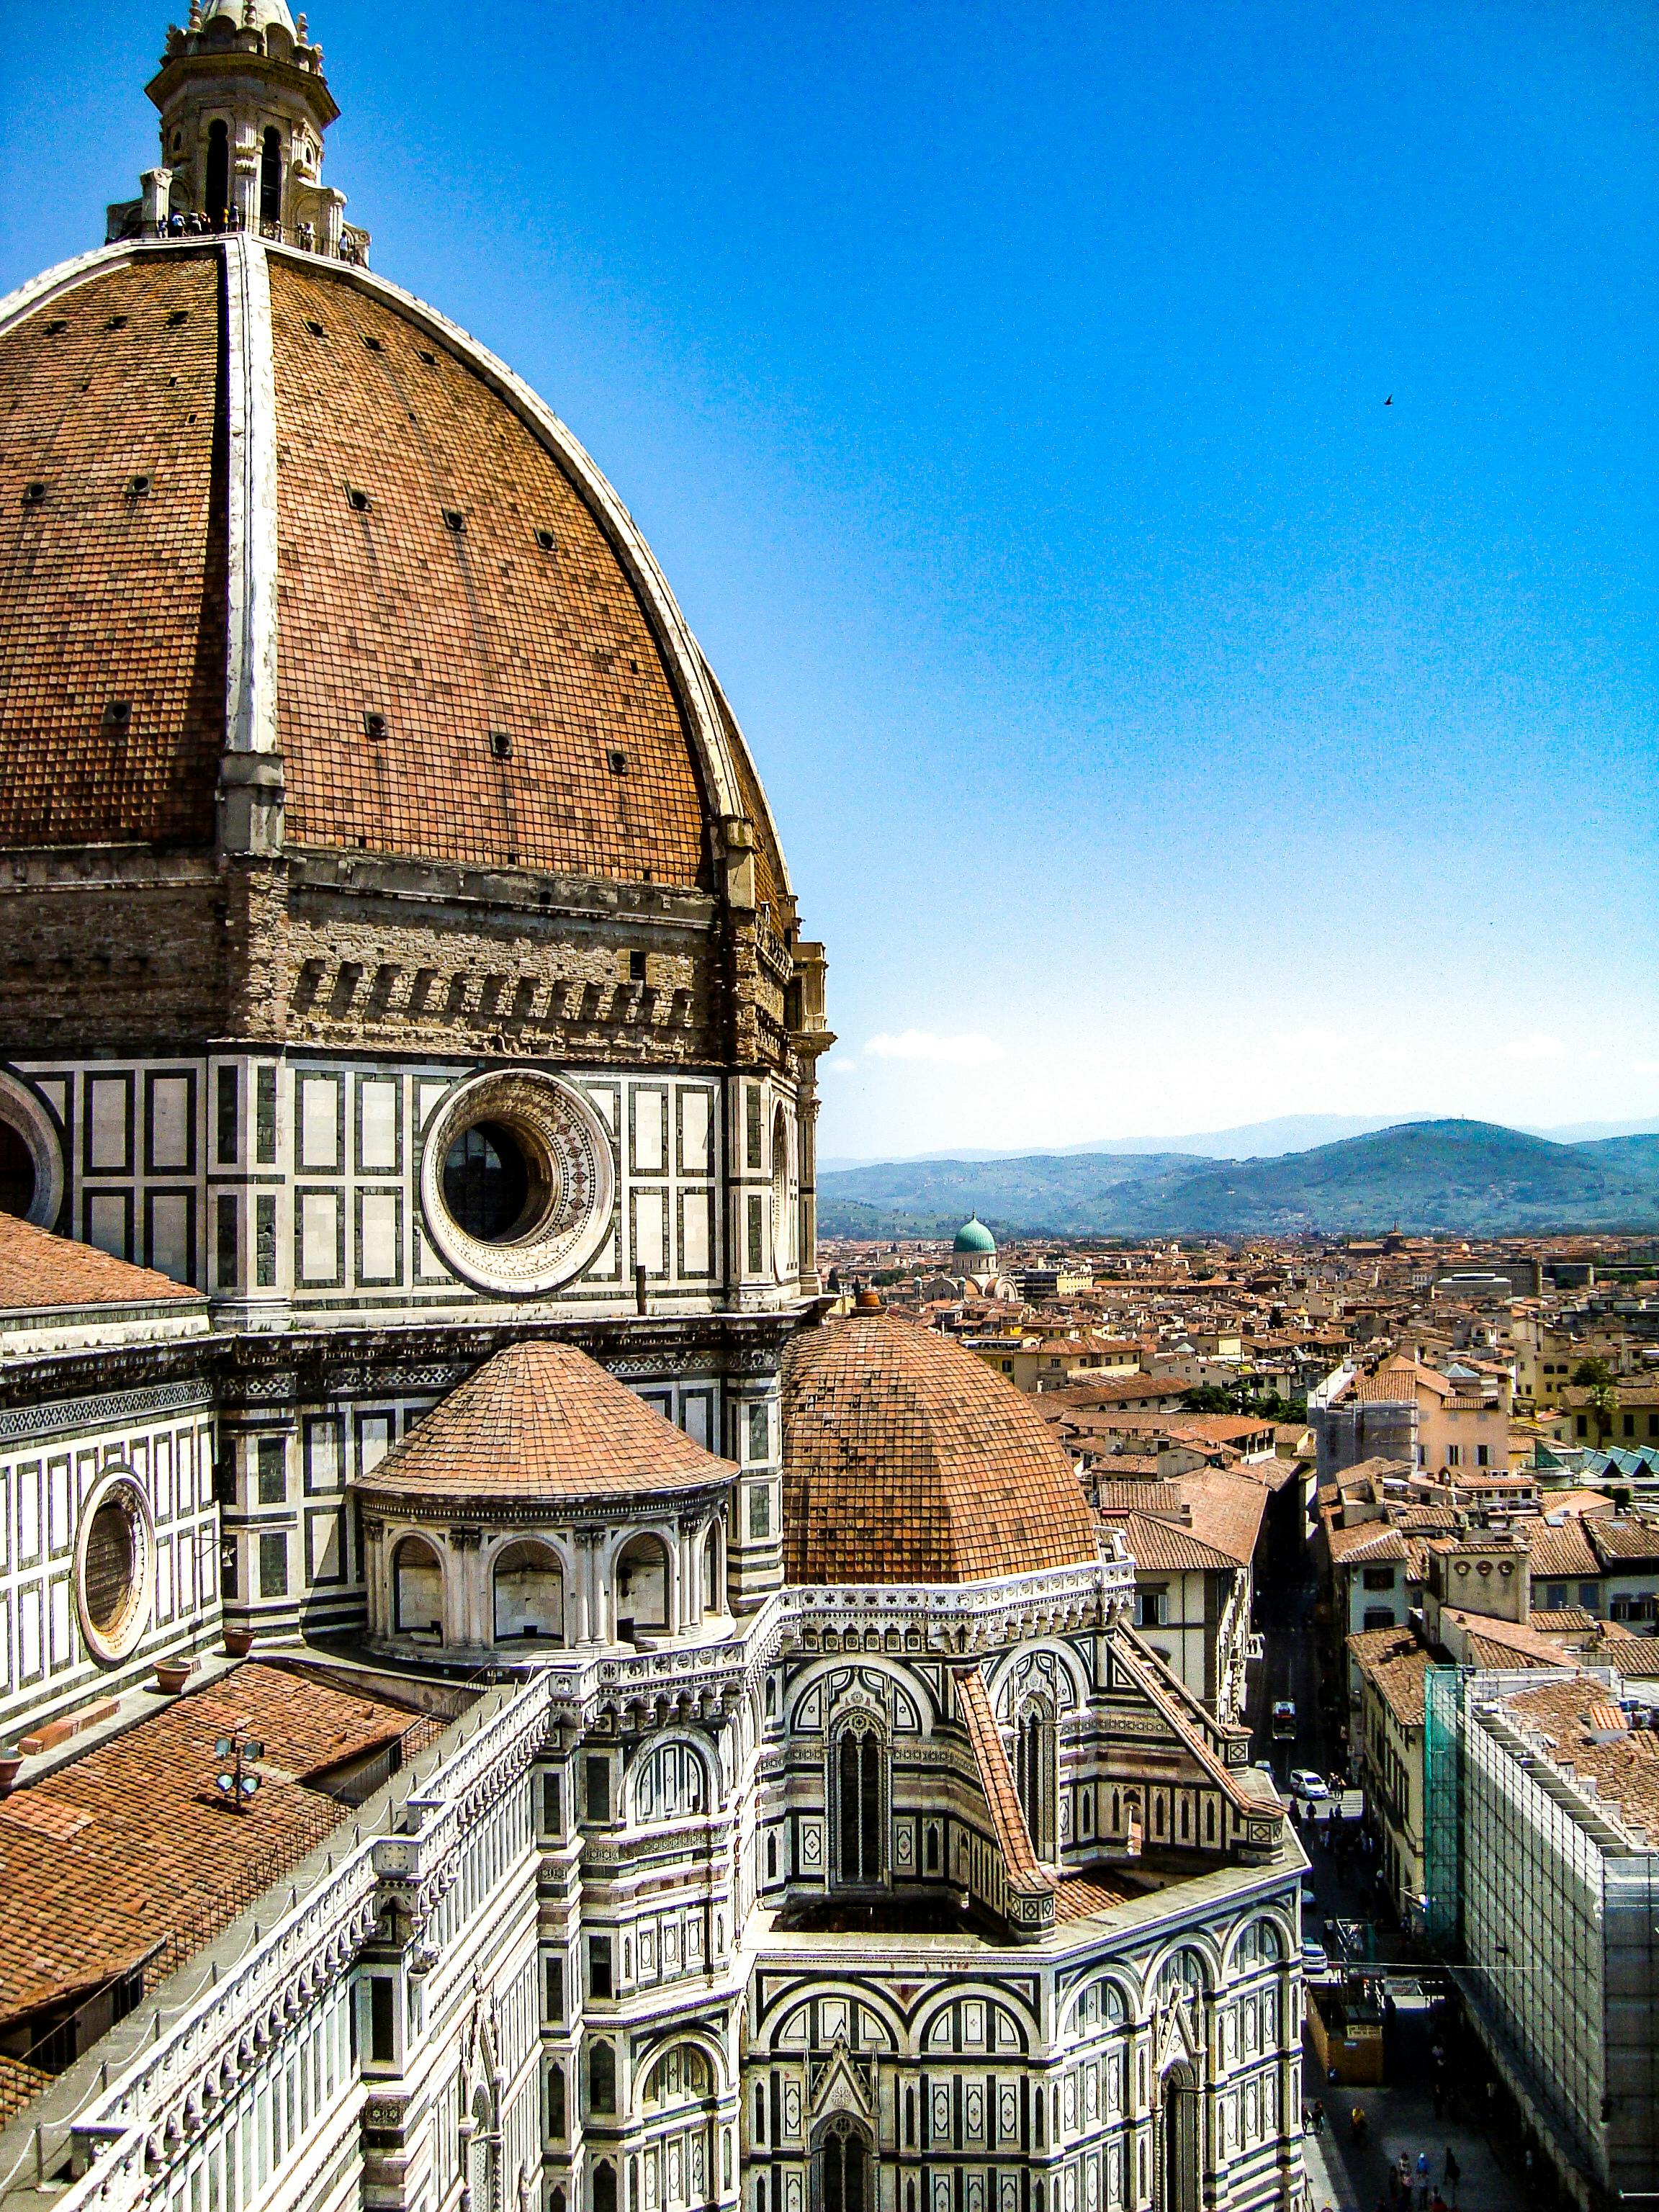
[{"x": 569, "y": 1152}]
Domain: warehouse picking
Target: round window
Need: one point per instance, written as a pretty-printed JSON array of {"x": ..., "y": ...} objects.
[
  {"x": 493, "y": 1188},
  {"x": 114, "y": 1566},
  {"x": 31, "y": 1157},
  {"x": 517, "y": 1182}
]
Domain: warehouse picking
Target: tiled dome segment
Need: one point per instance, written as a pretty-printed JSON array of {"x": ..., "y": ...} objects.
[
  {"x": 455, "y": 633},
  {"x": 112, "y": 571},
  {"x": 906, "y": 1459},
  {"x": 543, "y": 1421}
]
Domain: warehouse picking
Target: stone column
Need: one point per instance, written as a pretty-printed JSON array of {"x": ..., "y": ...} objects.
[
  {"x": 461, "y": 1587},
  {"x": 373, "y": 1564}
]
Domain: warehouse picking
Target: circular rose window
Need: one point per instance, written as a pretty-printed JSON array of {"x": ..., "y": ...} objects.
[
  {"x": 517, "y": 1182},
  {"x": 114, "y": 1566}
]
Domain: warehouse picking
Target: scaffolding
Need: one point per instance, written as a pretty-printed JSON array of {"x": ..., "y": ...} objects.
[{"x": 1548, "y": 1904}]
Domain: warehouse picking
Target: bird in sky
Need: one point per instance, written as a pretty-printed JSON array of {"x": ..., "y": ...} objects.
[{"x": 1389, "y": 402}]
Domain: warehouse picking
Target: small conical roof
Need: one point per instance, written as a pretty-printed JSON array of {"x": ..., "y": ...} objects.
[{"x": 543, "y": 1421}]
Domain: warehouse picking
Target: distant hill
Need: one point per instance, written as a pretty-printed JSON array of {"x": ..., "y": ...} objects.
[
  {"x": 1471, "y": 1178},
  {"x": 1246, "y": 1141}
]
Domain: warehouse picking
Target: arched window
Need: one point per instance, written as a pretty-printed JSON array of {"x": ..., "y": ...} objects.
[
  {"x": 555, "y": 2121},
  {"x": 670, "y": 1785},
  {"x": 602, "y": 2079},
  {"x": 713, "y": 1580},
  {"x": 931, "y": 1850},
  {"x": 270, "y": 177},
  {"x": 857, "y": 1757},
  {"x": 1034, "y": 1775},
  {"x": 529, "y": 1594},
  {"x": 680, "y": 2077},
  {"x": 1182, "y": 1976},
  {"x": 417, "y": 1588},
  {"x": 605, "y": 2187},
  {"x": 482, "y": 2149},
  {"x": 642, "y": 1588},
  {"x": 1179, "y": 2123},
  {"x": 218, "y": 173},
  {"x": 840, "y": 2168},
  {"x": 771, "y": 1858}
]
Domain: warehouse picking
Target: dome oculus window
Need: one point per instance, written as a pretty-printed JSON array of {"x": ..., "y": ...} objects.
[
  {"x": 114, "y": 1566},
  {"x": 492, "y": 1185},
  {"x": 518, "y": 1182}
]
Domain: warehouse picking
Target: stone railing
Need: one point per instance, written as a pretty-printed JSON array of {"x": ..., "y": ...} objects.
[{"x": 145, "y": 2122}]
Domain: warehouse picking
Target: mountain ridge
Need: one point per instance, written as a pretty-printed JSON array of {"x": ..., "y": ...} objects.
[
  {"x": 1450, "y": 1177},
  {"x": 1283, "y": 1133}
]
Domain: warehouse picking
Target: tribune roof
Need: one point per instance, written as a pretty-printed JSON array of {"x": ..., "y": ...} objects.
[
  {"x": 543, "y": 1421},
  {"x": 907, "y": 1458}
]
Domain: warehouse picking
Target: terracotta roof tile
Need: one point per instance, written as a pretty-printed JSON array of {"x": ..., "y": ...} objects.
[
  {"x": 1621, "y": 1537},
  {"x": 41, "y": 1272},
  {"x": 1077, "y": 1896},
  {"x": 108, "y": 594},
  {"x": 997, "y": 1784},
  {"x": 1166, "y": 1547},
  {"x": 453, "y": 633},
  {"x": 907, "y": 1458},
  {"x": 1561, "y": 1717},
  {"x": 1565, "y": 1551},
  {"x": 101, "y": 1858},
  {"x": 543, "y": 1420},
  {"x": 1397, "y": 1665}
]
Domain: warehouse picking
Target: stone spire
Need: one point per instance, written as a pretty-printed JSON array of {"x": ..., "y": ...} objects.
[{"x": 244, "y": 106}]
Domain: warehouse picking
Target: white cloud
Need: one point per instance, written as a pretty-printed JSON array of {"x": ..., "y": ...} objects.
[
  {"x": 967, "y": 1050},
  {"x": 1537, "y": 1046},
  {"x": 835, "y": 1064}
]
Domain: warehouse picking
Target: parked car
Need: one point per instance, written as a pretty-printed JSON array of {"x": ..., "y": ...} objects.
[
  {"x": 1305, "y": 1783},
  {"x": 1315, "y": 1960},
  {"x": 1284, "y": 1718}
]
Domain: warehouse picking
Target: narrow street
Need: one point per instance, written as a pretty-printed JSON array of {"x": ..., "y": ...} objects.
[{"x": 1349, "y": 2168}]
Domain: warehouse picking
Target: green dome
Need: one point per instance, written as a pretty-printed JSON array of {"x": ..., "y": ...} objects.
[{"x": 974, "y": 1237}]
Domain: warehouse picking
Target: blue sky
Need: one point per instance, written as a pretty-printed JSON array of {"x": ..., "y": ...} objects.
[{"x": 1164, "y": 733}]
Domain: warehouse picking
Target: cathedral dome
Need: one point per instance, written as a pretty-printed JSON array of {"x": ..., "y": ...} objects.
[
  {"x": 906, "y": 1459},
  {"x": 288, "y": 542},
  {"x": 974, "y": 1241}
]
